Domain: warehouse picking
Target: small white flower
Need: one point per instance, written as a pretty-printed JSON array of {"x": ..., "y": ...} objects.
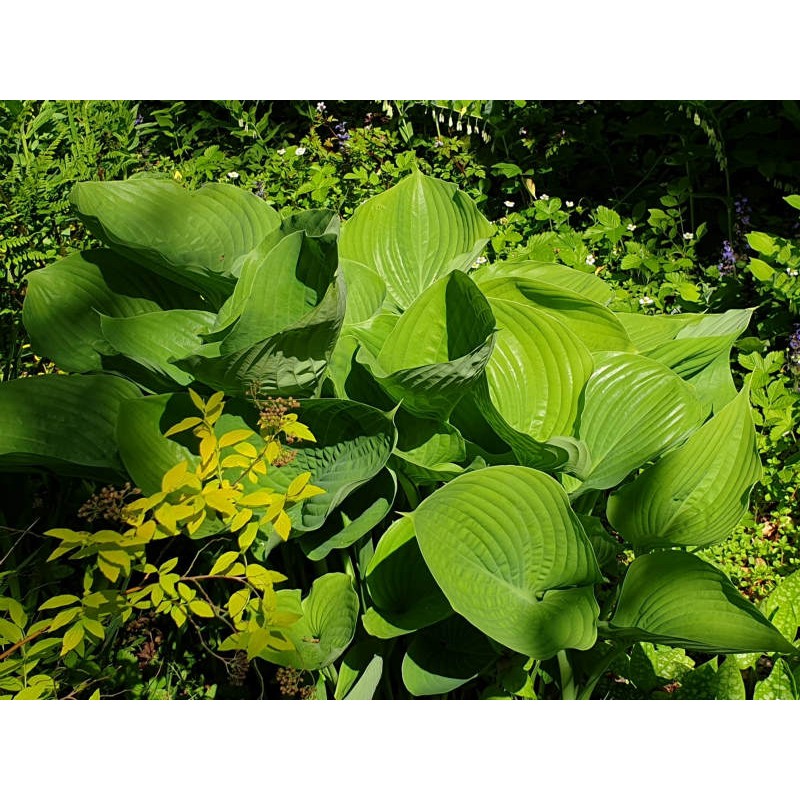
[
  {"x": 480, "y": 260},
  {"x": 233, "y": 175},
  {"x": 792, "y": 273},
  {"x": 282, "y": 151},
  {"x": 300, "y": 151},
  {"x": 509, "y": 203},
  {"x": 646, "y": 301},
  {"x": 688, "y": 236},
  {"x": 590, "y": 259},
  {"x": 569, "y": 204},
  {"x": 631, "y": 227},
  {"x": 544, "y": 196},
  {"x": 321, "y": 107},
  {"x": 523, "y": 131}
]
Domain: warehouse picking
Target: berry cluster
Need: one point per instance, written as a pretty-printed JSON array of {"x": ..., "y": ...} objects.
[{"x": 107, "y": 504}]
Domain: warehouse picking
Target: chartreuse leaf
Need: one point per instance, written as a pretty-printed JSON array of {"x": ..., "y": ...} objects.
[
  {"x": 155, "y": 340},
  {"x": 675, "y": 598},
  {"x": 366, "y": 291},
  {"x": 634, "y": 410},
  {"x": 285, "y": 325},
  {"x": 512, "y": 558},
  {"x": 428, "y": 450},
  {"x": 360, "y": 671},
  {"x": 404, "y": 595},
  {"x": 436, "y": 350},
  {"x": 364, "y": 688},
  {"x": 193, "y": 238},
  {"x": 586, "y": 284},
  {"x": 63, "y": 422},
  {"x": 535, "y": 375},
  {"x": 443, "y": 657},
  {"x": 697, "y": 493},
  {"x": 414, "y": 233},
  {"x": 64, "y": 301},
  {"x": 328, "y": 624},
  {"x": 595, "y": 325}
]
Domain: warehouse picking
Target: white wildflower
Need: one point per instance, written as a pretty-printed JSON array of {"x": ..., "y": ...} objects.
[
  {"x": 509, "y": 203},
  {"x": 688, "y": 236},
  {"x": 300, "y": 151},
  {"x": 479, "y": 260},
  {"x": 646, "y": 301},
  {"x": 544, "y": 196},
  {"x": 569, "y": 204},
  {"x": 590, "y": 259},
  {"x": 792, "y": 273},
  {"x": 631, "y": 227},
  {"x": 233, "y": 175},
  {"x": 282, "y": 151},
  {"x": 321, "y": 107}
]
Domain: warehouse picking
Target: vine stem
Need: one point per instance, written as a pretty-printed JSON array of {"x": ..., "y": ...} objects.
[{"x": 21, "y": 643}]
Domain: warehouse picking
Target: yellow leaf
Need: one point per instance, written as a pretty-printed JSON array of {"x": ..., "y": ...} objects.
[
  {"x": 195, "y": 522},
  {"x": 273, "y": 452},
  {"x": 146, "y": 531},
  {"x": 183, "y": 425},
  {"x": 309, "y": 491},
  {"x": 215, "y": 400},
  {"x": 259, "y": 467},
  {"x": 246, "y": 449},
  {"x": 221, "y": 500},
  {"x": 247, "y": 536},
  {"x": 234, "y": 437},
  {"x": 197, "y": 400},
  {"x": 240, "y": 519},
  {"x": 179, "y": 616},
  {"x": 235, "y": 461},
  {"x": 201, "y": 608},
  {"x": 72, "y": 638},
  {"x": 223, "y": 564},
  {"x": 298, "y": 431},
  {"x": 208, "y": 447},
  {"x": 256, "y": 642},
  {"x": 283, "y": 525},
  {"x": 298, "y": 484},
  {"x": 237, "y": 602},
  {"x": 111, "y": 571},
  {"x": 185, "y": 592},
  {"x": 262, "y": 497}
]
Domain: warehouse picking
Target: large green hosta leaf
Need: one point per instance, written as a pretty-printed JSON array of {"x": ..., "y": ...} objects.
[
  {"x": 536, "y": 372},
  {"x": 512, "y": 558},
  {"x": 445, "y": 656},
  {"x": 675, "y": 598},
  {"x": 155, "y": 341},
  {"x": 414, "y": 233},
  {"x": 193, "y": 238},
  {"x": 63, "y": 422},
  {"x": 574, "y": 280},
  {"x": 404, "y": 595},
  {"x": 696, "y": 494},
  {"x": 282, "y": 321},
  {"x": 64, "y": 303},
  {"x": 634, "y": 410},
  {"x": 430, "y": 356}
]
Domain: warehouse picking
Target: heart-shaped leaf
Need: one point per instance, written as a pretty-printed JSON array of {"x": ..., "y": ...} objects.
[
  {"x": 675, "y": 598},
  {"x": 512, "y": 558},
  {"x": 414, "y": 233},
  {"x": 694, "y": 495}
]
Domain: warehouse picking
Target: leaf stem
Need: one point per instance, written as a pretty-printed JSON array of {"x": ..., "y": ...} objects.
[{"x": 568, "y": 688}]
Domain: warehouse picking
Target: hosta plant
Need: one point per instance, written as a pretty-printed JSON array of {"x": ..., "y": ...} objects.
[{"x": 516, "y": 478}]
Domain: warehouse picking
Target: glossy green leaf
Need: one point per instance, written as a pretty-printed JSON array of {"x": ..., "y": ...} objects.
[
  {"x": 328, "y": 624},
  {"x": 443, "y": 657},
  {"x": 155, "y": 340},
  {"x": 675, "y": 598},
  {"x": 512, "y": 558},
  {"x": 414, "y": 233},
  {"x": 366, "y": 291},
  {"x": 574, "y": 280},
  {"x": 428, "y": 450},
  {"x": 730, "y": 685},
  {"x": 64, "y": 303},
  {"x": 634, "y": 410},
  {"x": 191, "y": 237},
  {"x": 360, "y": 512},
  {"x": 696, "y": 494},
  {"x": 404, "y": 595},
  {"x": 436, "y": 350},
  {"x": 66, "y": 423},
  {"x": 364, "y": 688}
]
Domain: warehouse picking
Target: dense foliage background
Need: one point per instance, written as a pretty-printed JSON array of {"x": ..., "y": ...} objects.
[{"x": 678, "y": 206}]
